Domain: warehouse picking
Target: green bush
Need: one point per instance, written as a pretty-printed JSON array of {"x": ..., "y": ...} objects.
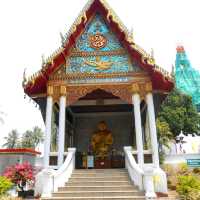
[
  {"x": 5, "y": 185},
  {"x": 183, "y": 169},
  {"x": 6, "y": 197},
  {"x": 188, "y": 185},
  {"x": 196, "y": 170}
]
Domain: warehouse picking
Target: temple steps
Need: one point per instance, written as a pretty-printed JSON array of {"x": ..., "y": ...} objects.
[
  {"x": 96, "y": 188},
  {"x": 97, "y": 193},
  {"x": 101, "y": 184},
  {"x": 98, "y": 198},
  {"x": 99, "y": 178},
  {"x": 98, "y": 183}
]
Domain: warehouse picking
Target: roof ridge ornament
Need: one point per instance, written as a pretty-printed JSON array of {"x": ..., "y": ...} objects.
[
  {"x": 63, "y": 39},
  {"x": 24, "y": 78}
]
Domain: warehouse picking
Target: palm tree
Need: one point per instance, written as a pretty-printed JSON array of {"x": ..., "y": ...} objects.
[
  {"x": 11, "y": 139},
  {"x": 31, "y": 138}
]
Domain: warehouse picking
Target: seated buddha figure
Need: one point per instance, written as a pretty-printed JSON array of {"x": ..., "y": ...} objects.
[{"x": 101, "y": 141}]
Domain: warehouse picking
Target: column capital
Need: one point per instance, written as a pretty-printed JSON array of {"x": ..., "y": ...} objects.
[
  {"x": 63, "y": 90},
  {"x": 135, "y": 88},
  {"x": 49, "y": 90},
  {"x": 148, "y": 87}
]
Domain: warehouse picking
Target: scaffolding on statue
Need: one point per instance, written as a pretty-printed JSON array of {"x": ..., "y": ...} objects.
[{"x": 187, "y": 78}]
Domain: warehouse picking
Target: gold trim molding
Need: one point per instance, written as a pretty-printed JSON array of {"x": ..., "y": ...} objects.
[{"x": 122, "y": 90}]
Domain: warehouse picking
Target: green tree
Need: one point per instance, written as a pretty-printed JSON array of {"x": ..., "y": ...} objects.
[
  {"x": 31, "y": 138},
  {"x": 179, "y": 113},
  {"x": 12, "y": 139},
  {"x": 164, "y": 137},
  {"x": 53, "y": 133},
  {"x": 164, "y": 133}
]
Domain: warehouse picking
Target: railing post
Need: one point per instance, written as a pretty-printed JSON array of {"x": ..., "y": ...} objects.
[{"x": 149, "y": 185}]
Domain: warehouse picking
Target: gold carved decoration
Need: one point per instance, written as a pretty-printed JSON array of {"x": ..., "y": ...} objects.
[
  {"x": 141, "y": 88},
  {"x": 99, "y": 64},
  {"x": 63, "y": 90},
  {"x": 76, "y": 53},
  {"x": 77, "y": 76},
  {"x": 97, "y": 41},
  {"x": 148, "y": 87},
  {"x": 56, "y": 91},
  {"x": 119, "y": 90},
  {"x": 134, "y": 88},
  {"x": 49, "y": 90},
  {"x": 122, "y": 90}
]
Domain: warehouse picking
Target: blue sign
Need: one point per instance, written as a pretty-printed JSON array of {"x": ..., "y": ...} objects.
[
  {"x": 90, "y": 161},
  {"x": 193, "y": 162}
]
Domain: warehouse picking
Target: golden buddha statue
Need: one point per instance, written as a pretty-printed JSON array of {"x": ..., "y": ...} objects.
[{"x": 101, "y": 141}]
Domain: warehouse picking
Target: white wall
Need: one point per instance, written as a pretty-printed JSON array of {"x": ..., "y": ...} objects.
[{"x": 11, "y": 159}]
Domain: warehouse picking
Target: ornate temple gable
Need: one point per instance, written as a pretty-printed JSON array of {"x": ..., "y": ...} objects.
[
  {"x": 99, "y": 51},
  {"x": 38, "y": 82}
]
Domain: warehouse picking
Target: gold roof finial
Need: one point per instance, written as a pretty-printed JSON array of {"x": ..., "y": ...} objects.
[
  {"x": 62, "y": 39},
  {"x": 43, "y": 60},
  {"x": 152, "y": 53},
  {"x": 24, "y": 78}
]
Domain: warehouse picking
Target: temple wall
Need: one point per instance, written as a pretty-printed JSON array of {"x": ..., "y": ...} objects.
[{"x": 120, "y": 124}]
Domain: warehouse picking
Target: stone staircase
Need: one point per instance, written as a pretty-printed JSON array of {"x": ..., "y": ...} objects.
[{"x": 96, "y": 184}]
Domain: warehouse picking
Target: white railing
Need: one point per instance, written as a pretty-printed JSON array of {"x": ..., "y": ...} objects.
[
  {"x": 135, "y": 172},
  {"x": 142, "y": 179},
  {"x": 48, "y": 180},
  {"x": 62, "y": 175}
]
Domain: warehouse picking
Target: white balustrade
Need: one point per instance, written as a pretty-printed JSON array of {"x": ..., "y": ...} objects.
[
  {"x": 141, "y": 178},
  {"x": 48, "y": 180}
]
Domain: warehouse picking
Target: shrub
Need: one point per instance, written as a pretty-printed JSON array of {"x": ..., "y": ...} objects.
[
  {"x": 196, "y": 171},
  {"x": 169, "y": 169},
  {"x": 188, "y": 185},
  {"x": 5, "y": 184},
  {"x": 183, "y": 169},
  {"x": 6, "y": 197},
  {"x": 20, "y": 174}
]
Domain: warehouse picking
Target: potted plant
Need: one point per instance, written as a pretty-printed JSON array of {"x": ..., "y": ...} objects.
[{"x": 22, "y": 175}]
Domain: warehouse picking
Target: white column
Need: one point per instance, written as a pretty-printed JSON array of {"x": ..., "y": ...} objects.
[
  {"x": 47, "y": 139},
  {"x": 61, "y": 136},
  {"x": 152, "y": 126},
  {"x": 138, "y": 128}
]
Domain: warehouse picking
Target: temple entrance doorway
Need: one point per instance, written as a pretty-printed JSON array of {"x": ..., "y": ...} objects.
[{"x": 103, "y": 125}]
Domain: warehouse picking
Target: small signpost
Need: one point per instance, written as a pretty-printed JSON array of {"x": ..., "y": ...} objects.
[
  {"x": 193, "y": 162},
  {"x": 90, "y": 161}
]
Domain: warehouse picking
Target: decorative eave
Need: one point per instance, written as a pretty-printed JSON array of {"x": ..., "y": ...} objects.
[
  {"x": 160, "y": 78},
  {"x": 20, "y": 151}
]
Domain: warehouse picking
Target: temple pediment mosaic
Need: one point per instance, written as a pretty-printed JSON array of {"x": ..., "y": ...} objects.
[
  {"x": 98, "y": 56},
  {"x": 99, "y": 51}
]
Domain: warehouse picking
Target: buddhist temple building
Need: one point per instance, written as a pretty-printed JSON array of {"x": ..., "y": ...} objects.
[{"x": 99, "y": 95}]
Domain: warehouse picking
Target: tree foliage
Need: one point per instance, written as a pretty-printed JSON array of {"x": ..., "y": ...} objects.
[
  {"x": 53, "y": 134},
  {"x": 164, "y": 133},
  {"x": 5, "y": 185},
  {"x": 12, "y": 139},
  {"x": 30, "y": 139},
  {"x": 180, "y": 114}
]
